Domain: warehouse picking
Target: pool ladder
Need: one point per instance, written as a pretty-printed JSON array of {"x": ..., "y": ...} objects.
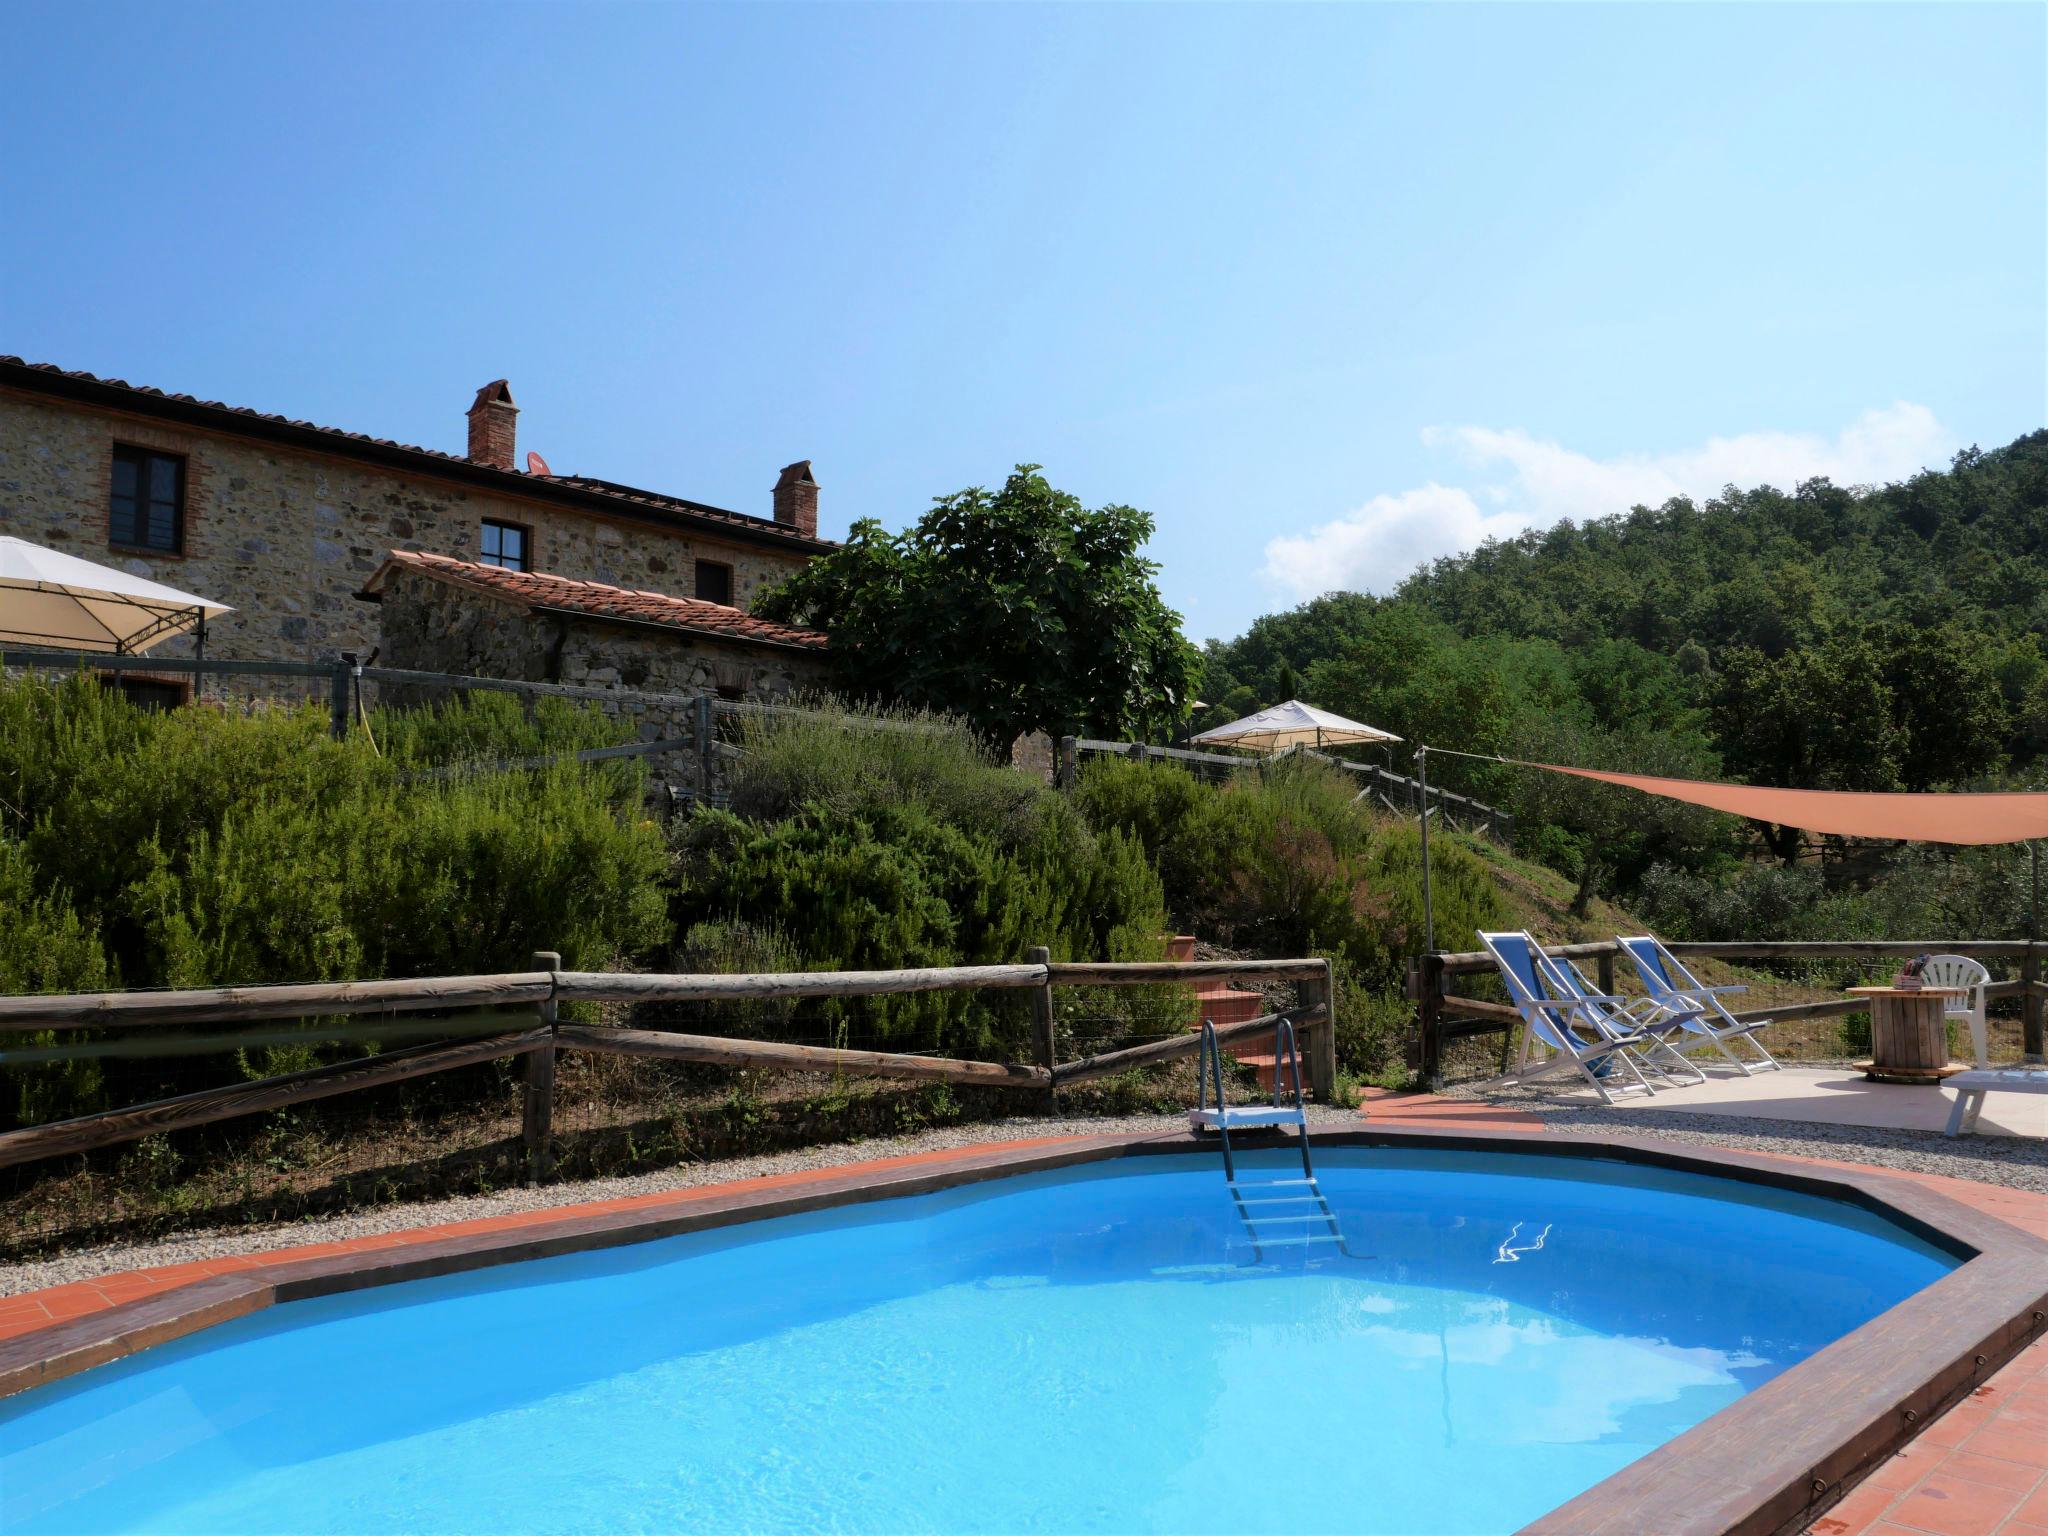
[{"x": 1301, "y": 1218}]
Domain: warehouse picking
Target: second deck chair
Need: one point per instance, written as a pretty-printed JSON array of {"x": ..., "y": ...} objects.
[
  {"x": 1655, "y": 1053},
  {"x": 1685, "y": 1005},
  {"x": 1551, "y": 1016}
]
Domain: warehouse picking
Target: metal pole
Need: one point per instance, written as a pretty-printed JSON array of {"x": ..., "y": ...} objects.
[
  {"x": 704, "y": 726},
  {"x": 1428, "y": 901},
  {"x": 2032, "y": 1044},
  {"x": 199, "y": 655}
]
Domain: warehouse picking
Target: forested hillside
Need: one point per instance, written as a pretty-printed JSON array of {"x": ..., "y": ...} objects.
[{"x": 1829, "y": 637}]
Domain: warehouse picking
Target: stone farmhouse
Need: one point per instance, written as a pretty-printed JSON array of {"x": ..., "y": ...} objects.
[
  {"x": 473, "y": 619},
  {"x": 296, "y": 524}
]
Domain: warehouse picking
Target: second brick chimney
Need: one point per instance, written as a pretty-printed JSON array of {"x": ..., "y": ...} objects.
[
  {"x": 493, "y": 425},
  {"x": 796, "y": 499}
]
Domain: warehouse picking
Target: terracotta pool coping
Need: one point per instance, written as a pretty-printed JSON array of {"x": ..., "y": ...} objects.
[{"x": 1766, "y": 1464}]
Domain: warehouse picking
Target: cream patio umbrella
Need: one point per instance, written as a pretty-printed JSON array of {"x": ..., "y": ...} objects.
[
  {"x": 49, "y": 598},
  {"x": 1289, "y": 725}
]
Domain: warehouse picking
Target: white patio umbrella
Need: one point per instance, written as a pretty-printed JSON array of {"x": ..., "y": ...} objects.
[
  {"x": 49, "y": 598},
  {"x": 1293, "y": 724}
]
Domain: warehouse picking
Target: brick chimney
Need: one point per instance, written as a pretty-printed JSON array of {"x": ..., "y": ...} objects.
[
  {"x": 493, "y": 425},
  {"x": 796, "y": 499}
]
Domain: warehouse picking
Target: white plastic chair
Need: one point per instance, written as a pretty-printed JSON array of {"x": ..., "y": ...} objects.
[{"x": 1960, "y": 971}]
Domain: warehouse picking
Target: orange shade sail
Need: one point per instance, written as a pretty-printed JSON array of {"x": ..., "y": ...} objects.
[{"x": 1990, "y": 818}]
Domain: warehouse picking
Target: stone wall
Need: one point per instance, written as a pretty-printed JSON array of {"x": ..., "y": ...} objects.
[
  {"x": 288, "y": 536},
  {"x": 656, "y": 674},
  {"x": 1034, "y": 753}
]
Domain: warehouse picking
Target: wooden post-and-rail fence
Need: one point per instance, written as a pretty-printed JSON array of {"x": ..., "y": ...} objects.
[
  {"x": 520, "y": 1016},
  {"x": 1443, "y": 1015}
]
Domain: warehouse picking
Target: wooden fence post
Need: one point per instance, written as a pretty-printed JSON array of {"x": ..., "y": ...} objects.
[
  {"x": 537, "y": 1127},
  {"x": 1606, "y": 964},
  {"x": 1427, "y": 982},
  {"x": 1043, "y": 1042},
  {"x": 1321, "y": 991},
  {"x": 1069, "y": 762}
]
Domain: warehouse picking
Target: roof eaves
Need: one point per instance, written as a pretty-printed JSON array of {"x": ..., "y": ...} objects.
[
  {"x": 438, "y": 569},
  {"x": 630, "y": 621},
  {"x": 511, "y": 588},
  {"x": 570, "y": 490}
]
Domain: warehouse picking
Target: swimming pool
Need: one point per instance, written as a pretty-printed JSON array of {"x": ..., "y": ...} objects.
[{"x": 1083, "y": 1349}]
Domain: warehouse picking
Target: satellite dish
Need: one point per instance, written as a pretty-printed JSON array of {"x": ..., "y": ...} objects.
[{"x": 536, "y": 465}]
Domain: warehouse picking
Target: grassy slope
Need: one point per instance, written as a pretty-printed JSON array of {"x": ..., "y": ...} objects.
[{"x": 1541, "y": 900}]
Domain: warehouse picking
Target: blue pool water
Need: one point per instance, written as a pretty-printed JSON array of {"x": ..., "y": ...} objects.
[{"x": 1082, "y": 1350}]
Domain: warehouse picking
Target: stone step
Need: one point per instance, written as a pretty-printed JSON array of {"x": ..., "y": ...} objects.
[
  {"x": 1221, "y": 1008},
  {"x": 1222, "y": 1004},
  {"x": 1262, "y": 1061}
]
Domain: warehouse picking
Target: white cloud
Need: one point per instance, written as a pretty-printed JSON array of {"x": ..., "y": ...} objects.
[
  {"x": 1528, "y": 482},
  {"x": 1374, "y": 547}
]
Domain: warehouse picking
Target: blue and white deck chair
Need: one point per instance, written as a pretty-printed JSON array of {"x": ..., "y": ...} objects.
[
  {"x": 1654, "y": 1053},
  {"x": 1552, "y": 1017},
  {"x": 1685, "y": 1005}
]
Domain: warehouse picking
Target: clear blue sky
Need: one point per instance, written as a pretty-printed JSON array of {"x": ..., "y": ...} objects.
[{"x": 1327, "y": 290}]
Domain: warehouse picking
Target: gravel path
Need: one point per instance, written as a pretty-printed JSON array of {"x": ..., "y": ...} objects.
[
  {"x": 2015, "y": 1161},
  {"x": 2020, "y": 1163},
  {"x": 89, "y": 1263}
]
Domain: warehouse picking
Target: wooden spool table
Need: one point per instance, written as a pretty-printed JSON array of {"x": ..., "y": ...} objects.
[{"x": 1908, "y": 1033}]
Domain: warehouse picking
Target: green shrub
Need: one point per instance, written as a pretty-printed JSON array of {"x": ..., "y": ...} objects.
[
  {"x": 1756, "y": 900},
  {"x": 493, "y": 727},
  {"x": 847, "y": 762},
  {"x": 1153, "y": 802},
  {"x": 879, "y": 841},
  {"x": 200, "y": 847},
  {"x": 482, "y": 872},
  {"x": 1284, "y": 860},
  {"x": 1374, "y": 1025},
  {"x": 45, "y": 946},
  {"x": 1463, "y": 892},
  {"x": 729, "y": 949}
]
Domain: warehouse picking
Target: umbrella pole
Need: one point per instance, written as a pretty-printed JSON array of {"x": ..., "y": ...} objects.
[
  {"x": 1428, "y": 904},
  {"x": 199, "y": 655}
]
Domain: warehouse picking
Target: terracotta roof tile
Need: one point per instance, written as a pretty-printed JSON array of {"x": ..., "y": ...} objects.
[
  {"x": 643, "y": 501},
  {"x": 563, "y": 594}
]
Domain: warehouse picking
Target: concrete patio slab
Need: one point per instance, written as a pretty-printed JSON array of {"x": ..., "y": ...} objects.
[{"x": 1830, "y": 1096}]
